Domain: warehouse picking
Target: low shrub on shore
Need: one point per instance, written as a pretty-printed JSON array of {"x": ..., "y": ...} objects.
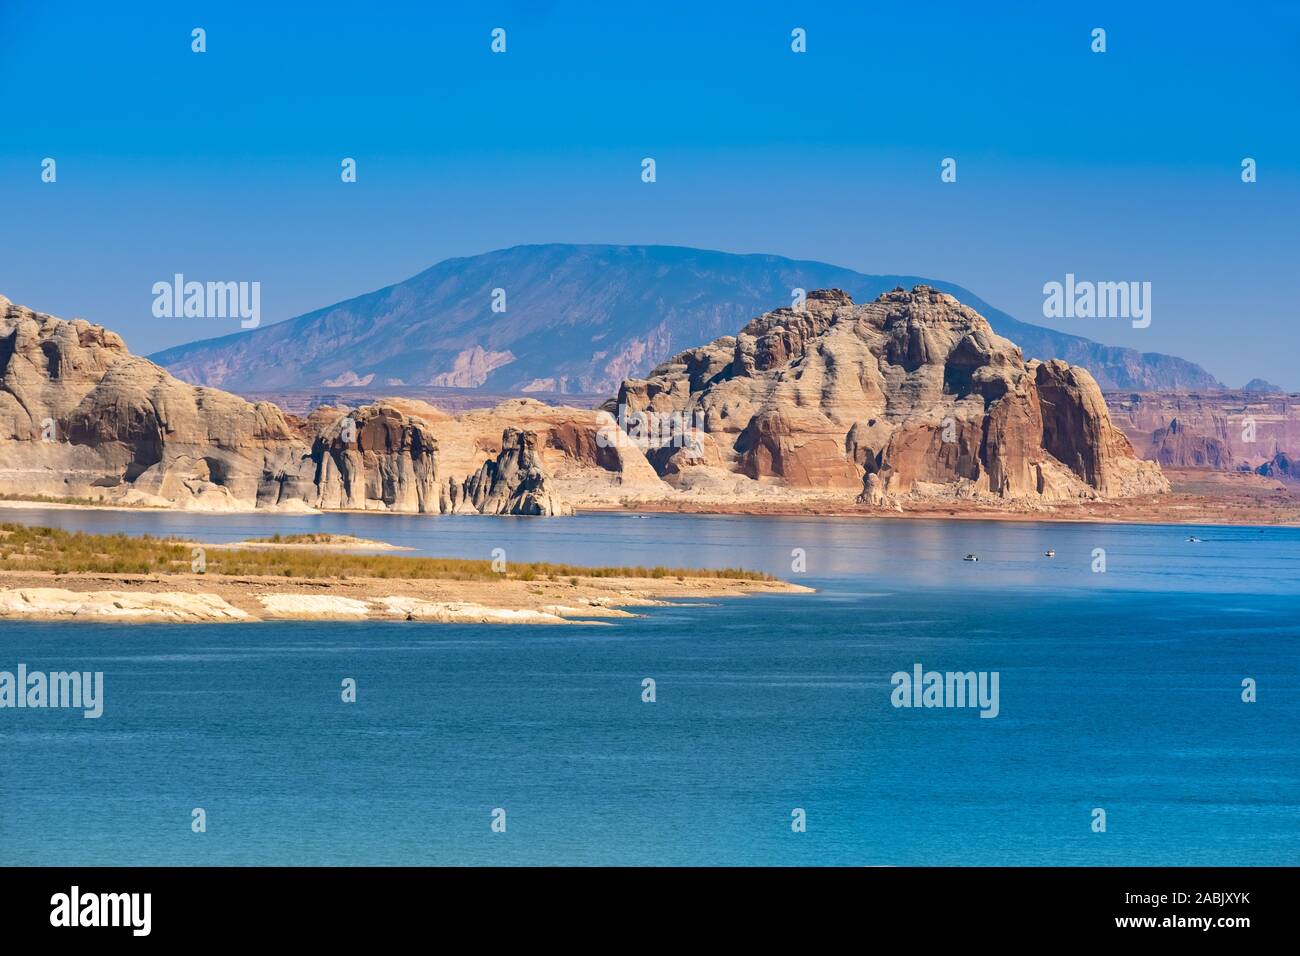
[{"x": 27, "y": 548}]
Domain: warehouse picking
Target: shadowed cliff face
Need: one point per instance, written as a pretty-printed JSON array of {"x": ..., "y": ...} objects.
[
  {"x": 911, "y": 394},
  {"x": 1281, "y": 466},
  {"x": 514, "y": 483},
  {"x": 577, "y": 319},
  {"x": 376, "y": 458}
]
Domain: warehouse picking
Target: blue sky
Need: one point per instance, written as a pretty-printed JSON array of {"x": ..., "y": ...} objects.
[{"x": 225, "y": 165}]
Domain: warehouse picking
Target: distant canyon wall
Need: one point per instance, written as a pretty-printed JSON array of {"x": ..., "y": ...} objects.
[{"x": 1224, "y": 430}]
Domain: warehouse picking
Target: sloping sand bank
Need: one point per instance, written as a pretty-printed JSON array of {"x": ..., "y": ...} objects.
[{"x": 194, "y": 598}]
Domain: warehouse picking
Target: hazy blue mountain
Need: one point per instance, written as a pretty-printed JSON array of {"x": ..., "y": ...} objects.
[
  {"x": 580, "y": 318},
  {"x": 1261, "y": 385}
]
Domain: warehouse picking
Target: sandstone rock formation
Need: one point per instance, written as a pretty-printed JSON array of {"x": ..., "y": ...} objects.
[
  {"x": 1176, "y": 447},
  {"x": 587, "y": 459},
  {"x": 82, "y": 417},
  {"x": 912, "y": 394},
  {"x": 171, "y": 606},
  {"x": 375, "y": 458},
  {"x": 514, "y": 483}
]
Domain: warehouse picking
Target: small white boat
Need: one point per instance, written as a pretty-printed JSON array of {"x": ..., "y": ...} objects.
[
  {"x": 971, "y": 557},
  {"x": 1194, "y": 540},
  {"x": 1049, "y": 553}
]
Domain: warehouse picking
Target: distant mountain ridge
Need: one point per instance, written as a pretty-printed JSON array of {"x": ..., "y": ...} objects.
[{"x": 581, "y": 318}]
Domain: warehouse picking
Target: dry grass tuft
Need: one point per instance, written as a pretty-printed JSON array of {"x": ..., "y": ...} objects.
[{"x": 27, "y": 548}]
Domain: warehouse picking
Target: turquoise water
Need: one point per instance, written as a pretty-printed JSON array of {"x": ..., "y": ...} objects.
[{"x": 1119, "y": 690}]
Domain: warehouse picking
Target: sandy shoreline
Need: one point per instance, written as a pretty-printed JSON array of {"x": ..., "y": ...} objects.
[
  {"x": 15, "y": 504},
  {"x": 1198, "y": 497},
  {"x": 1192, "y": 512},
  {"x": 209, "y": 598},
  {"x": 336, "y": 542}
]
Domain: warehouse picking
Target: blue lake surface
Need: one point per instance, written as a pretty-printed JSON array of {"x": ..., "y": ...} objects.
[{"x": 1119, "y": 690}]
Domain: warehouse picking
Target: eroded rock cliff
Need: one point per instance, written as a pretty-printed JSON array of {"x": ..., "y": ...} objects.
[
  {"x": 81, "y": 417},
  {"x": 911, "y": 394},
  {"x": 375, "y": 458},
  {"x": 514, "y": 483}
]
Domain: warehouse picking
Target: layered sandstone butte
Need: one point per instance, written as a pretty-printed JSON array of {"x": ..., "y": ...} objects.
[
  {"x": 82, "y": 417},
  {"x": 584, "y": 460},
  {"x": 910, "y": 395}
]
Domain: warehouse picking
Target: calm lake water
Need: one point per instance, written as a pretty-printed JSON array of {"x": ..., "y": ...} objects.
[{"x": 1119, "y": 690}]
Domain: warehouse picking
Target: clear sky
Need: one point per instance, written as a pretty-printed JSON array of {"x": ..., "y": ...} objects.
[{"x": 225, "y": 165}]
